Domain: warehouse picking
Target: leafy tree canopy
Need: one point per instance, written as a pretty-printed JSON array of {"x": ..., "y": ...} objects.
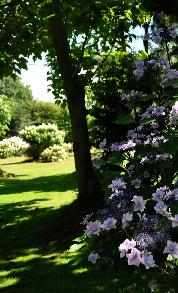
[{"x": 15, "y": 90}]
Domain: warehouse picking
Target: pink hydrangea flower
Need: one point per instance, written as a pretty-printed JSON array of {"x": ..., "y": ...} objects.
[{"x": 126, "y": 246}]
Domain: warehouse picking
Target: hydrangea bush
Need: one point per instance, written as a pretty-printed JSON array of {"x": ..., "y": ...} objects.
[
  {"x": 13, "y": 146},
  {"x": 54, "y": 153},
  {"x": 41, "y": 137},
  {"x": 140, "y": 220}
]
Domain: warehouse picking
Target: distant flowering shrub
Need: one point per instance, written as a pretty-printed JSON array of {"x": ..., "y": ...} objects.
[
  {"x": 68, "y": 147},
  {"x": 41, "y": 137},
  {"x": 140, "y": 217},
  {"x": 54, "y": 153},
  {"x": 13, "y": 146}
]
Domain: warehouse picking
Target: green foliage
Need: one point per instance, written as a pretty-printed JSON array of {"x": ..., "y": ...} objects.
[
  {"x": 5, "y": 114},
  {"x": 43, "y": 112},
  {"x": 41, "y": 137},
  {"x": 108, "y": 113},
  {"x": 15, "y": 90},
  {"x": 19, "y": 95}
]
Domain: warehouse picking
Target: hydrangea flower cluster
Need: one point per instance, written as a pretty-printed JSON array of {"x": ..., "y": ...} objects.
[
  {"x": 129, "y": 209},
  {"x": 142, "y": 209},
  {"x": 13, "y": 146}
]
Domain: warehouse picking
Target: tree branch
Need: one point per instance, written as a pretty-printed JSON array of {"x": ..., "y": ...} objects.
[{"x": 83, "y": 48}]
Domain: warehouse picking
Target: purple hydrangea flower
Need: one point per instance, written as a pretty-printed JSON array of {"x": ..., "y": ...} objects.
[
  {"x": 123, "y": 146},
  {"x": 153, "y": 112},
  {"x": 129, "y": 96},
  {"x": 117, "y": 184},
  {"x": 144, "y": 240},
  {"x": 161, "y": 209},
  {"x": 171, "y": 248},
  {"x": 139, "y": 68},
  {"x": 174, "y": 193},
  {"x": 175, "y": 221},
  {"x": 93, "y": 228},
  {"x": 170, "y": 74},
  {"x": 109, "y": 224},
  {"x": 103, "y": 144},
  {"x": 163, "y": 157},
  {"x": 175, "y": 108},
  {"x": 147, "y": 260},
  {"x": 93, "y": 257},
  {"x": 161, "y": 193},
  {"x": 139, "y": 203},
  {"x": 136, "y": 182},
  {"x": 134, "y": 257},
  {"x": 127, "y": 218},
  {"x": 165, "y": 63}
]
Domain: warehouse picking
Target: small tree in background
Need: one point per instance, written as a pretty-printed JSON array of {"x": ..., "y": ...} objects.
[
  {"x": 5, "y": 114},
  {"x": 41, "y": 137}
]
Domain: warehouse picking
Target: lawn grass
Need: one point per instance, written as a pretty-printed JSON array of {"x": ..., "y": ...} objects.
[{"x": 38, "y": 221}]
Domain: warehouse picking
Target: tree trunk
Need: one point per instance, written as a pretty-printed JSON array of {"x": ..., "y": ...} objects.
[
  {"x": 88, "y": 184},
  {"x": 145, "y": 41}
]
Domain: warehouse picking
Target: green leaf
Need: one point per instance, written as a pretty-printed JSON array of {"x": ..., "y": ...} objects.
[
  {"x": 124, "y": 119},
  {"x": 172, "y": 82},
  {"x": 146, "y": 97},
  {"x": 75, "y": 247}
]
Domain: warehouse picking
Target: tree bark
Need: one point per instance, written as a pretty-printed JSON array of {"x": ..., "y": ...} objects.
[{"x": 88, "y": 184}]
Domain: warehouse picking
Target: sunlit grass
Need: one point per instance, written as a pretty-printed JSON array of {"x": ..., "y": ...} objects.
[{"x": 38, "y": 222}]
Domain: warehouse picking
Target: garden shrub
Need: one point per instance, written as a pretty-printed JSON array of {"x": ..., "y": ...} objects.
[
  {"x": 13, "y": 146},
  {"x": 68, "y": 147},
  {"x": 54, "y": 153},
  {"x": 41, "y": 137}
]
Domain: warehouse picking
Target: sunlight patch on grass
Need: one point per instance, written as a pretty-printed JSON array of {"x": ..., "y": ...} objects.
[
  {"x": 79, "y": 271},
  {"x": 26, "y": 258},
  {"x": 4, "y": 273},
  {"x": 7, "y": 282}
]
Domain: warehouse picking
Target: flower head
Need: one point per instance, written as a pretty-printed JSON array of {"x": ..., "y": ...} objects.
[
  {"x": 127, "y": 218},
  {"x": 171, "y": 248},
  {"x": 109, "y": 224},
  {"x": 117, "y": 184},
  {"x": 93, "y": 257},
  {"x": 175, "y": 221},
  {"x": 126, "y": 246},
  {"x": 147, "y": 259},
  {"x": 136, "y": 183},
  {"x": 134, "y": 257},
  {"x": 139, "y": 203},
  {"x": 161, "y": 209},
  {"x": 93, "y": 228}
]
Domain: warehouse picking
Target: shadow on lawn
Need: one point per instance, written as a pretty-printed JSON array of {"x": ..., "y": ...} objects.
[
  {"x": 58, "y": 183},
  {"x": 26, "y": 230},
  {"x": 33, "y": 239}
]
